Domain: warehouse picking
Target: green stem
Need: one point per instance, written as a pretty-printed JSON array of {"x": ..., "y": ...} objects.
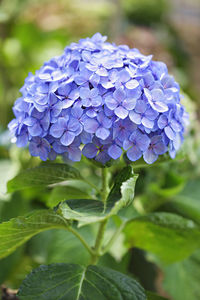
[
  {"x": 85, "y": 244},
  {"x": 113, "y": 238},
  {"x": 105, "y": 187},
  {"x": 98, "y": 243},
  {"x": 92, "y": 185},
  {"x": 102, "y": 226}
]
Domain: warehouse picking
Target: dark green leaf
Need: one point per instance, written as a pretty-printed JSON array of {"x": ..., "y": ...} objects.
[
  {"x": 74, "y": 282},
  {"x": 169, "y": 236},
  {"x": 187, "y": 203},
  {"x": 153, "y": 296},
  {"x": 18, "y": 230},
  {"x": 181, "y": 280},
  {"x": 43, "y": 175},
  {"x": 90, "y": 211}
]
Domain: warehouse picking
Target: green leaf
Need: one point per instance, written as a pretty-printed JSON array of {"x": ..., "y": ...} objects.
[
  {"x": 90, "y": 211},
  {"x": 43, "y": 175},
  {"x": 187, "y": 202},
  {"x": 18, "y": 230},
  {"x": 82, "y": 210},
  {"x": 170, "y": 236},
  {"x": 123, "y": 190},
  {"x": 181, "y": 280},
  {"x": 61, "y": 193},
  {"x": 60, "y": 245},
  {"x": 74, "y": 282},
  {"x": 153, "y": 296}
]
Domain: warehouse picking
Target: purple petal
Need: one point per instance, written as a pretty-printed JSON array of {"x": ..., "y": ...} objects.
[
  {"x": 141, "y": 106},
  {"x": 80, "y": 80},
  {"x": 127, "y": 144},
  {"x": 102, "y": 133},
  {"x": 64, "y": 89},
  {"x": 74, "y": 94},
  {"x": 134, "y": 153},
  {"x": 73, "y": 125},
  {"x": 84, "y": 93},
  {"x": 56, "y": 130},
  {"x": 142, "y": 141},
  {"x": 175, "y": 125},
  {"x": 74, "y": 153},
  {"x": 114, "y": 151},
  {"x": 111, "y": 102},
  {"x": 67, "y": 138},
  {"x": 94, "y": 93},
  {"x": 22, "y": 140},
  {"x": 151, "y": 114},
  {"x": 147, "y": 123},
  {"x": 129, "y": 103},
  {"x": 90, "y": 150},
  {"x": 121, "y": 112},
  {"x": 124, "y": 75},
  {"x": 102, "y": 71},
  {"x": 169, "y": 132},
  {"x": 90, "y": 125},
  {"x": 160, "y": 148},
  {"x": 35, "y": 130},
  {"x": 119, "y": 95},
  {"x": 97, "y": 101},
  {"x": 159, "y": 106},
  {"x": 132, "y": 84},
  {"x": 149, "y": 156},
  {"x": 135, "y": 117},
  {"x": 102, "y": 157},
  {"x": 162, "y": 121}
]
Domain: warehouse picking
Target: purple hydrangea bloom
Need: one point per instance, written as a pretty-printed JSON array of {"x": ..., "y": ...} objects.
[{"x": 100, "y": 100}]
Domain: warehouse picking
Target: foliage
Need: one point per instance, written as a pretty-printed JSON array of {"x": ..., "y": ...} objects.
[{"x": 160, "y": 215}]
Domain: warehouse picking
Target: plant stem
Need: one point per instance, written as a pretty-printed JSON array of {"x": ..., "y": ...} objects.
[
  {"x": 113, "y": 238},
  {"x": 92, "y": 185},
  {"x": 98, "y": 243},
  {"x": 102, "y": 227},
  {"x": 85, "y": 244},
  {"x": 105, "y": 187}
]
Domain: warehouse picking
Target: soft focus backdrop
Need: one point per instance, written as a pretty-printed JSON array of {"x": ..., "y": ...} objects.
[{"x": 31, "y": 32}]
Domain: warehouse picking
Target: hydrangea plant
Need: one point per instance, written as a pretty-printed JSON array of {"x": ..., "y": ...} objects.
[
  {"x": 110, "y": 104},
  {"x": 100, "y": 100}
]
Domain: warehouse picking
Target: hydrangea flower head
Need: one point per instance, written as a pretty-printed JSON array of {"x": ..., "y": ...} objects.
[{"x": 99, "y": 100}]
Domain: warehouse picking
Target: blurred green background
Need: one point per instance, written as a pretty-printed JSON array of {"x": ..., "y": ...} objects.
[{"x": 31, "y": 32}]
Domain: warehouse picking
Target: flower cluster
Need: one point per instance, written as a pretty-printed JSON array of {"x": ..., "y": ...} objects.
[{"x": 100, "y": 100}]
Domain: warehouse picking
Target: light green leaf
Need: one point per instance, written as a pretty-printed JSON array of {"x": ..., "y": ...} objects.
[
  {"x": 167, "y": 235},
  {"x": 181, "y": 280},
  {"x": 74, "y": 282},
  {"x": 43, "y": 175},
  {"x": 61, "y": 193},
  {"x": 123, "y": 190},
  {"x": 90, "y": 211},
  {"x": 61, "y": 245},
  {"x": 83, "y": 210},
  {"x": 18, "y": 230}
]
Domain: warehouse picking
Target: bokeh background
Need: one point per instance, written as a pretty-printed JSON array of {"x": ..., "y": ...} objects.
[{"x": 31, "y": 32}]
